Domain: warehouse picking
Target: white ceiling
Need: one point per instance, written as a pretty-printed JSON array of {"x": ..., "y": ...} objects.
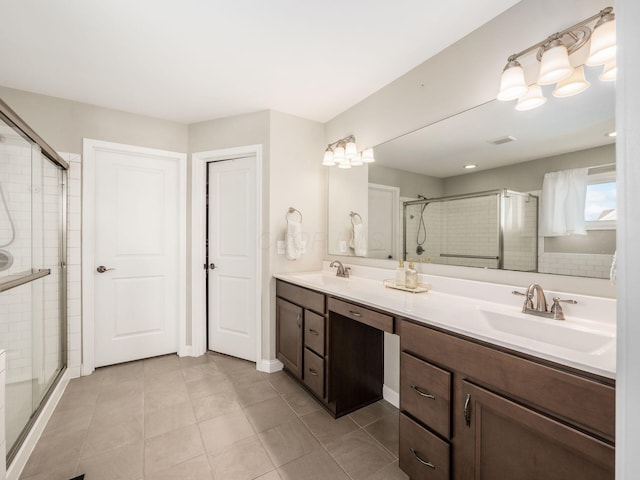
[{"x": 194, "y": 60}]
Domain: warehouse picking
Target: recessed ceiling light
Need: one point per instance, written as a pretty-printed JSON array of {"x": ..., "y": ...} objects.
[
  {"x": 611, "y": 134},
  {"x": 470, "y": 166}
]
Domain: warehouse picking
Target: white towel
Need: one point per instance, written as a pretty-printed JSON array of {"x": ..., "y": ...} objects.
[
  {"x": 294, "y": 239},
  {"x": 358, "y": 240}
]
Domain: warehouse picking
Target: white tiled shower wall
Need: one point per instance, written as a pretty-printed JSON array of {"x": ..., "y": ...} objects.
[{"x": 74, "y": 257}]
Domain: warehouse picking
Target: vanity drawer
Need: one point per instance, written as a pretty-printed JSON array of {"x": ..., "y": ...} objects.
[
  {"x": 314, "y": 332},
  {"x": 583, "y": 402},
  {"x": 425, "y": 392},
  {"x": 301, "y": 296},
  {"x": 361, "y": 314},
  {"x": 422, "y": 454},
  {"x": 313, "y": 375}
]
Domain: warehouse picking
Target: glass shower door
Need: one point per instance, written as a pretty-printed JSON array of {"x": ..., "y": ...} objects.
[{"x": 32, "y": 283}]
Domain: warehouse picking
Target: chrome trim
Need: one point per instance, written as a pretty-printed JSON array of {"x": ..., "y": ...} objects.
[
  {"x": 13, "y": 118},
  {"x": 13, "y": 281},
  {"x": 483, "y": 257}
]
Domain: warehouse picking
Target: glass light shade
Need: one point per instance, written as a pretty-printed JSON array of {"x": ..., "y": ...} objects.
[
  {"x": 338, "y": 155},
  {"x": 344, "y": 164},
  {"x": 573, "y": 85},
  {"x": 554, "y": 65},
  {"x": 512, "y": 83},
  {"x": 532, "y": 99},
  {"x": 328, "y": 158},
  {"x": 609, "y": 72},
  {"x": 367, "y": 155},
  {"x": 603, "y": 44},
  {"x": 356, "y": 160},
  {"x": 350, "y": 149}
]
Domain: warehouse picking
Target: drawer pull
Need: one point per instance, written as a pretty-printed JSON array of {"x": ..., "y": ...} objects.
[
  {"x": 421, "y": 393},
  {"x": 424, "y": 462},
  {"x": 313, "y": 372},
  {"x": 313, "y": 332},
  {"x": 298, "y": 318},
  {"x": 467, "y": 410},
  {"x": 355, "y": 314}
]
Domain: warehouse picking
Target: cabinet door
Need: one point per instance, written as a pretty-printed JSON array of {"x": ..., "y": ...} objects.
[
  {"x": 289, "y": 336},
  {"x": 503, "y": 439}
]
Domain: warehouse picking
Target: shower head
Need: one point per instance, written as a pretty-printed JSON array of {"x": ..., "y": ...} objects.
[{"x": 421, "y": 197}]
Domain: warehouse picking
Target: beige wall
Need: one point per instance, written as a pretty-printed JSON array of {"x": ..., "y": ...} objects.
[
  {"x": 410, "y": 184},
  {"x": 462, "y": 76},
  {"x": 527, "y": 176},
  {"x": 64, "y": 123}
]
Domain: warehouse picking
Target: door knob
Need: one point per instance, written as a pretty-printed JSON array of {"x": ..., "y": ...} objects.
[
  {"x": 102, "y": 269},
  {"x": 212, "y": 266}
]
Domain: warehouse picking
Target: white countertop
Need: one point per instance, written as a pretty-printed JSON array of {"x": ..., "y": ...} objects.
[{"x": 585, "y": 340}]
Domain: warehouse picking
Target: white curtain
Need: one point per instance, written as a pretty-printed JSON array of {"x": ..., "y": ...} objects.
[{"x": 563, "y": 197}]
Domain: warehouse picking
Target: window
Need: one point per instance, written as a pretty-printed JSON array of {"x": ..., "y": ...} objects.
[{"x": 600, "y": 211}]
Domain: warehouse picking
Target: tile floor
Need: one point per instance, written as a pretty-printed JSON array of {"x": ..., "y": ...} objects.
[{"x": 208, "y": 418}]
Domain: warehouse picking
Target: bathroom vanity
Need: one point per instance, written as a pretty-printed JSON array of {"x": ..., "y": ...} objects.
[{"x": 478, "y": 399}]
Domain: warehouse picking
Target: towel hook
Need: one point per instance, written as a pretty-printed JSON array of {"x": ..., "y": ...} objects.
[
  {"x": 353, "y": 215},
  {"x": 293, "y": 210}
]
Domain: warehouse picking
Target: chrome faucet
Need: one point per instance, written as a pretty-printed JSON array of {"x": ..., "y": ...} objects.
[
  {"x": 540, "y": 309},
  {"x": 342, "y": 270}
]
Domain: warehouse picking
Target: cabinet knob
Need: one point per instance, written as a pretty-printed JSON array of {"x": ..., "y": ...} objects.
[
  {"x": 313, "y": 372},
  {"x": 313, "y": 332}
]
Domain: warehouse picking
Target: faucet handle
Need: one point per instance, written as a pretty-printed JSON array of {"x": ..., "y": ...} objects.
[
  {"x": 528, "y": 303},
  {"x": 556, "y": 308}
]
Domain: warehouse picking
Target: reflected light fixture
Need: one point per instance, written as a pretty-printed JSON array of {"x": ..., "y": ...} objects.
[
  {"x": 344, "y": 153},
  {"x": 470, "y": 166},
  {"x": 555, "y": 67}
]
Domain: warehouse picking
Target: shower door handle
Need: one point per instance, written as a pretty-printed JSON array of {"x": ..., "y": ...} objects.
[{"x": 102, "y": 269}]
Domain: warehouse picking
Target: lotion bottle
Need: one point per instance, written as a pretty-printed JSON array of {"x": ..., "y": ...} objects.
[
  {"x": 411, "y": 276},
  {"x": 400, "y": 274}
]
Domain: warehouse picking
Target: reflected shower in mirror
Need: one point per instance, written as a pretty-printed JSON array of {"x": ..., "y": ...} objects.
[{"x": 491, "y": 147}]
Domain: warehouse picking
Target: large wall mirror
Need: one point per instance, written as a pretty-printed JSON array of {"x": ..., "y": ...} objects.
[{"x": 418, "y": 201}]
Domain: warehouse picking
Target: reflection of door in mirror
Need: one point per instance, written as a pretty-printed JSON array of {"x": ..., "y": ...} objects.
[{"x": 383, "y": 222}]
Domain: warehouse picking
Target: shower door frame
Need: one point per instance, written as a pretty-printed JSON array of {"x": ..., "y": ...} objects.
[{"x": 12, "y": 119}]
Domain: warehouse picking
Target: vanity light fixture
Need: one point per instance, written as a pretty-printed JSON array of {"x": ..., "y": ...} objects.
[
  {"x": 344, "y": 153},
  {"x": 555, "y": 67}
]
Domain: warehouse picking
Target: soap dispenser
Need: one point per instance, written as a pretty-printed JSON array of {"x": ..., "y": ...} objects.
[
  {"x": 411, "y": 276},
  {"x": 401, "y": 274}
]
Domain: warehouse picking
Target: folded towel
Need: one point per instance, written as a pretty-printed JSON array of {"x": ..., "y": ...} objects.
[
  {"x": 358, "y": 240},
  {"x": 294, "y": 239}
]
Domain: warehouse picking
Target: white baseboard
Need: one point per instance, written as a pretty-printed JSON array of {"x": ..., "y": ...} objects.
[
  {"x": 20, "y": 460},
  {"x": 74, "y": 372},
  {"x": 269, "y": 366},
  {"x": 186, "y": 351},
  {"x": 391, "y": 396}
]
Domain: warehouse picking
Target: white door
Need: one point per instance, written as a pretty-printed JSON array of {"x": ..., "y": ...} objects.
[
  {"x": 137, "y": 255},
  {"x": 383, "y": 221},
  {"x": 232, "y": 257}
]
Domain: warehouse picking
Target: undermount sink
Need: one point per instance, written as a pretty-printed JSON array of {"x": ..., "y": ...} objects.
[
  {"x": 317, "y": 278},
  {"x": 565, "y": 334}
]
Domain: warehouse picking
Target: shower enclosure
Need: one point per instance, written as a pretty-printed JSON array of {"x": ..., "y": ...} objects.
[
  {"x": 492, "y": 229},
  {"x": 32, "y": 272}
]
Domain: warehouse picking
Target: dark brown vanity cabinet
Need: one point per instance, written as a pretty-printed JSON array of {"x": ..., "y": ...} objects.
[
  {"x": 473, "y": 411},
  {"x": 335, "y": 348}
]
